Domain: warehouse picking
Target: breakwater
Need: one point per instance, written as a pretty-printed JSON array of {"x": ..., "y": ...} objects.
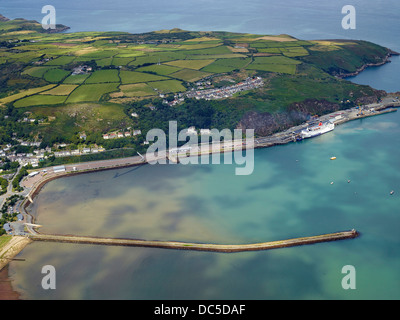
[{"x": 198, "y": 246}]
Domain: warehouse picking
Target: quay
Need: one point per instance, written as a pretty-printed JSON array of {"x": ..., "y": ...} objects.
[
  {"x": 196, "y": 246},
  {"x": 337, "y": 118},
  {"x": 33, "y": 184}
]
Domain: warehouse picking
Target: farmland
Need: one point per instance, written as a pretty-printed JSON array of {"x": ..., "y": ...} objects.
[
  {"x": 45, "y": 71},
  {"x": 117, "y": 59},
  {"x": 91, "y": 92}
]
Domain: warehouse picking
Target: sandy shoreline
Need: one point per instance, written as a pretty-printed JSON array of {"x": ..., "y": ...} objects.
[
  {"x": 12, "y": 248},
  {"x": 9, "y": 251},
  {"x": 6, "y": 289}
]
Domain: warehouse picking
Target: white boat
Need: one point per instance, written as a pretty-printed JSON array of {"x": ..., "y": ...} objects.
[{"x": 317, "y": 130}]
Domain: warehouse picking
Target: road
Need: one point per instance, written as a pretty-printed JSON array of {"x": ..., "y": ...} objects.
[{"x": 9, "y": 192}]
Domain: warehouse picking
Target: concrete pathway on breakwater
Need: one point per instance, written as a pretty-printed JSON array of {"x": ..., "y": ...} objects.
[{"x": 197, "y": 246}]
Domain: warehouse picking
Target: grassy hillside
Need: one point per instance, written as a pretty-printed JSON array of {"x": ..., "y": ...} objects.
[{"x": 43, "y": 71}]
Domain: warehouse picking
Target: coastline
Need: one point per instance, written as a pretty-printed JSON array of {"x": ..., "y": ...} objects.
[
  {"x": 19, "y": 242},
  {"x": 12, "y": 248},
  {"x": 7, "y": 253},
  {"x": 367, "y": 65},
  {"x": 280, "y": 138},
  {"x": 102, "y": 165},
  {"x": 7, "y": 291}
]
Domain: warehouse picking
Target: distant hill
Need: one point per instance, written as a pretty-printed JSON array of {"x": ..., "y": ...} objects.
[{"x": 20, "y": 24}]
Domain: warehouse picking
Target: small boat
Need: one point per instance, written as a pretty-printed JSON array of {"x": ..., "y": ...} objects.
[
  {"x": 333, "y": 158},
  {"x": 391, "y": 192}
]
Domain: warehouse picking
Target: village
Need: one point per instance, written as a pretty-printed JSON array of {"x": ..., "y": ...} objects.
[
  {"x": 228, "y": 91},
  {"x": 33, "y": 158},
  {"x": 216, "y": 93}
]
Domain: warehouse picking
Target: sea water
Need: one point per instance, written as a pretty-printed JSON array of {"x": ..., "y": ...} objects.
[{"x": 295, "y": 190}]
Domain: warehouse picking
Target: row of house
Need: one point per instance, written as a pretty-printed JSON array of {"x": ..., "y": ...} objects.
[
  {"x": 227, "y": 91},
  {"x": 77, "y": 152},
  {"x": 216, "y": 93},
  {"x": 126, "y": 134}
]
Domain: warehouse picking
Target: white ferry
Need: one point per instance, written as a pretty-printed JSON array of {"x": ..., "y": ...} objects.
[{"x": 317, "y": 130}]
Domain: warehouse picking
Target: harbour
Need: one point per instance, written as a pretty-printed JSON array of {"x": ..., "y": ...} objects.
[{"x": 291, "y": 193}]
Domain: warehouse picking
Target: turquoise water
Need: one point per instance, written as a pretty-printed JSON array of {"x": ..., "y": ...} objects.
[{"x": 289, "y": 194}]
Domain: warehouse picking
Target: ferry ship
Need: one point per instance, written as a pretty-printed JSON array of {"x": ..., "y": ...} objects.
[{"x": 317, "y": 130}]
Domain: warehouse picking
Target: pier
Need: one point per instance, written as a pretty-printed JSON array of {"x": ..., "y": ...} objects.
[{"x": 197, "y": 246}]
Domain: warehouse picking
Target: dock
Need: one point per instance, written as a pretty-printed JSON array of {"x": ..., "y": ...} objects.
[{"x": 226, "y": 248}]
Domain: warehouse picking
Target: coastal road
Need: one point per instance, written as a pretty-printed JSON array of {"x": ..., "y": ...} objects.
[{"x": 9, "y": 192}]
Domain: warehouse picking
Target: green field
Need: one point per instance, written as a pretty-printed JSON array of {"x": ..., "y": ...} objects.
[
  {"x": 137, "y": 90},
  {"x": 190, "y": 75},
  {"x": 269, "y": 50},
  {"x": 168, "y": 86},
  {"x": 39, "y": 100},
  {"x": 128, "y": 77},
  {"x": 190, "y": 64},
  {"x": 277, "y": 68},
  {"x": 160, "y": 69},
  {"x": 55, "y": 75},
  {"x": 37, "y": 72},
  {"x": 275, "y": 60},
  {"x": 217, "y": 68},
  {"x": 277, "y": 64},
  {"x": 215, "y": 56},
  {"x": 61, "y": 90},
  {"x": 103, "y": 76},
  {"x": 157, "y": 57},
  {"x": 91, "y": 92},
  {"x": 105, "y": 62},
  {"x": 122, "y": 61},
  {"x": 98, "y": 54},
  {"x": 26, "y": 93},
  {"x": 76, "y": 79},
  {"x": 201, "y": 45}
]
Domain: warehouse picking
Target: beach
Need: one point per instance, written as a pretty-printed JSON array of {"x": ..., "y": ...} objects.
[
  {"x": 11, "y": 249},
  {"x": 8, "y": 252}
]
